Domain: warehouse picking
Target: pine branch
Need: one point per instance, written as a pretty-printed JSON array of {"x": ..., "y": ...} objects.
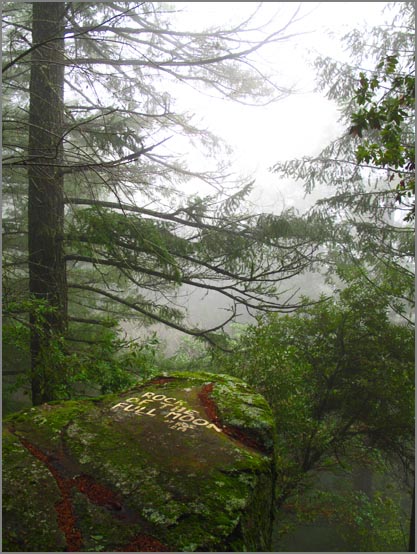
[
  {"x": 239, "y": 230},
  {"x": 53, "y": 39},
  {"x": 91, "y": 321},
  {"x": 145, "y": 211},
  {"x": 244, "y": 297},
  {"x": 205, "y": 334}
]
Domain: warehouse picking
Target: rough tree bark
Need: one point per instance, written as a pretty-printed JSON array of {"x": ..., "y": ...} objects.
[{"x": 47, "y": 280}]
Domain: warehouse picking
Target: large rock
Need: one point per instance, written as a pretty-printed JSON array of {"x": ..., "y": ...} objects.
[{"x": 183, "y": 462}]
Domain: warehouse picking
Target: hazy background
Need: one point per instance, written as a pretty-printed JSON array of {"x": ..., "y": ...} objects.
[{"x": 300, "y": 124}]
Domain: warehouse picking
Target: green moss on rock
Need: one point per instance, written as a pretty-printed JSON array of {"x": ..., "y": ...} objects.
[
  {"x": 186, "y": 458},
  {"x": 29, "y": 497}
]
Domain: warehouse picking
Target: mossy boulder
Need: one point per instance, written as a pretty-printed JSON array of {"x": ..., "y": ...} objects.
[{"x": 183, "y": 462}]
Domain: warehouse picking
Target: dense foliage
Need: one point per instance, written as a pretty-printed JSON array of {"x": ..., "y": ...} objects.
[
  {"x": 342, "y": 359},
  {"x": 340, "y": 378}
]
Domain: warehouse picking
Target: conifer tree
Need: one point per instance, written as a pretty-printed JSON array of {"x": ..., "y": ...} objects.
[{"x": 109, "y": 229}]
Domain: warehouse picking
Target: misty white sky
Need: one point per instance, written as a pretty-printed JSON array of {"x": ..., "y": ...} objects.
[{"x": 301, "y": 124}]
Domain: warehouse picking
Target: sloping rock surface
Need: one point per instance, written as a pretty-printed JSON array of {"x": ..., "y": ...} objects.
[{"x": 183, "y": 462}]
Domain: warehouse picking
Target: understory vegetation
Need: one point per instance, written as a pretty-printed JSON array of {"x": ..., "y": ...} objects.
[{"x": 339, "y": 376}]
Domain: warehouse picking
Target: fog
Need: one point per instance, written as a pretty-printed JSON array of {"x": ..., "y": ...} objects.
[{"x": 299, "y": 124}]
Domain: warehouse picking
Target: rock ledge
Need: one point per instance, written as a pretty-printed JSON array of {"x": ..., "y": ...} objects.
[{"x": 183, "y": 462}]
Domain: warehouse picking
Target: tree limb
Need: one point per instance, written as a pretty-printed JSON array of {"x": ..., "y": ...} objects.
[{"x": 205, "y": 334}]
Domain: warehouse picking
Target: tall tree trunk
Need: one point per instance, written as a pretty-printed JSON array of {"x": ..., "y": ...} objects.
[{"x": 47, "y": 279}]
